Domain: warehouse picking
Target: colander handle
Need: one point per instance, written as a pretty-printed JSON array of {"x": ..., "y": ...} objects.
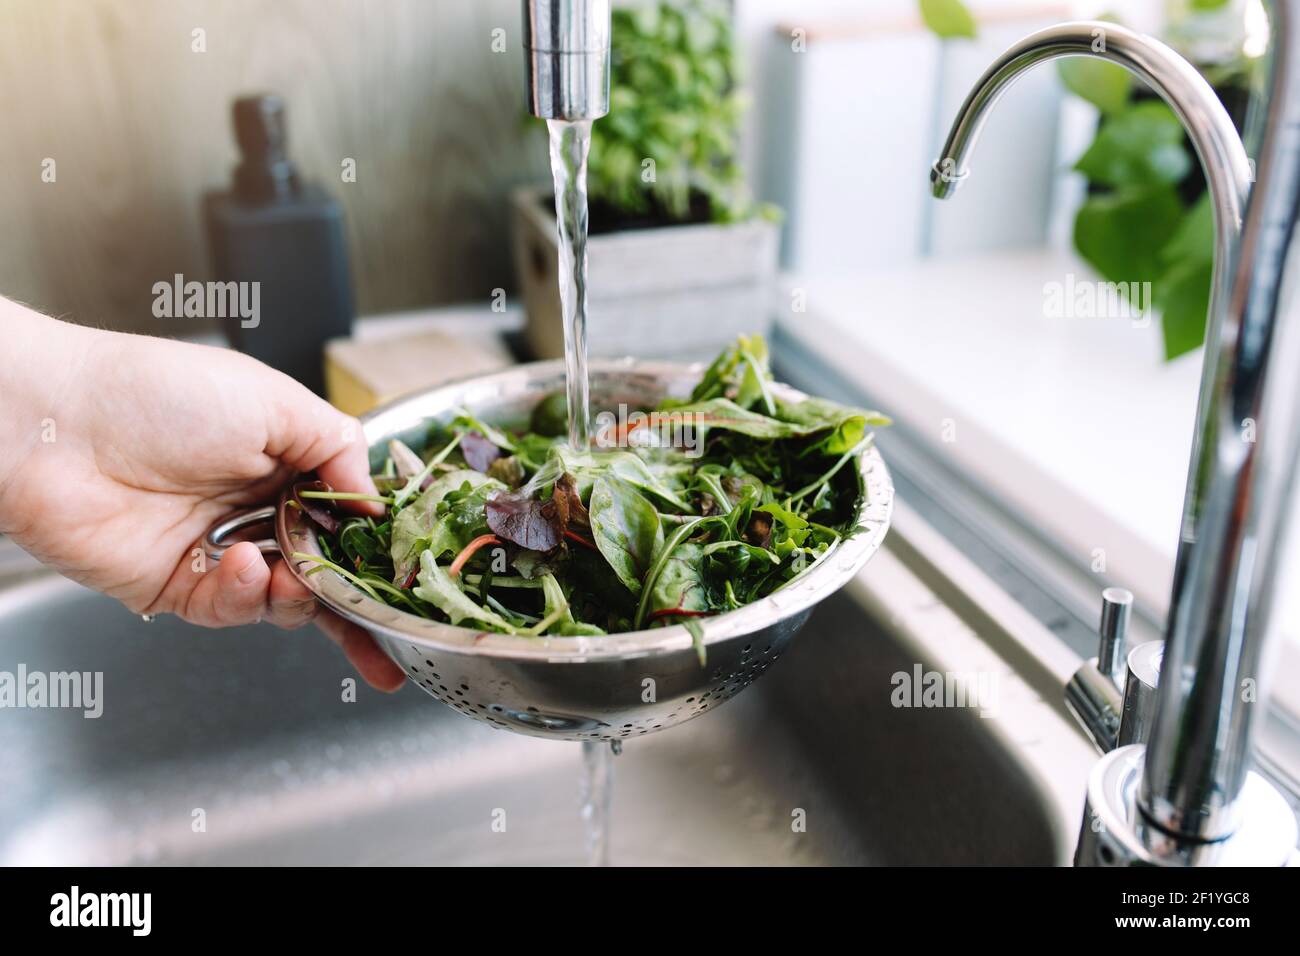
[{"x": 217, "y": 539}]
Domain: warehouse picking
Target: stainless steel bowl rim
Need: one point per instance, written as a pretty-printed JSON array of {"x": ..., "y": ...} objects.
[{"x": 296, "y": 533}]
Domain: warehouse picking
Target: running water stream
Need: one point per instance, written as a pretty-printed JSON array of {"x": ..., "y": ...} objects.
[
  {"x": 597, "y": 791},
  {"x": 570, "y": 143}
]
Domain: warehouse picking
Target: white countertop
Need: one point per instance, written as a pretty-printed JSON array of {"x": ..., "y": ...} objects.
[{"x": 1078, "y": 420}]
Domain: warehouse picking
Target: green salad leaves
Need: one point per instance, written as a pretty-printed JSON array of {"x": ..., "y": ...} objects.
[{"x": 690, "y": 509}]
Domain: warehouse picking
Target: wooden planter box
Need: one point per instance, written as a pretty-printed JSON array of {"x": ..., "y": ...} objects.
[{"x": 675, "y": 292}]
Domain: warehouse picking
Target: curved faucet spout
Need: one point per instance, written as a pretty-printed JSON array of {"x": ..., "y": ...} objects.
[
  {"x": 1196, "y": 760},
  {"x": 1228, "y": 169}
]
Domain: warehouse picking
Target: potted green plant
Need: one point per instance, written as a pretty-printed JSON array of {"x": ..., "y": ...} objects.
[
  {"x": 1147, "y": 222},
  {"x": 680, "y": 259},
  {"x": 676, "y": 244}
]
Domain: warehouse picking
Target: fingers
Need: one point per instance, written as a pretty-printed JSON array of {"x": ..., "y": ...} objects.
[
  {"x": 242, "y": 589},
  {"x": 349, "y": 470},
  {"x": 308, "y": 434},
  {"x": 232, "y": 593},
  {"x": 375, "y": 667},
  {"x": 290, "y": 605}
]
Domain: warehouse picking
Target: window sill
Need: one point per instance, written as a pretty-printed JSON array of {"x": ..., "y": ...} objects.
[
  {"x": 1076, "y": 425},
  {"x": 1078, "y": 422}
]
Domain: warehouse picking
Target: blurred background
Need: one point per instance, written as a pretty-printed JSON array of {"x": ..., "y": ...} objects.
[
  {"x": 138, "y": 121},
  {"x": 832, "y": 104}
]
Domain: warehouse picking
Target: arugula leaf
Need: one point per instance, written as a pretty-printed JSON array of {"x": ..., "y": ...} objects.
[
  {"x": 559, "y": 618},
  {"x": 413, "y": 526},
  {"x": 462, "y": 518},
  {"x": 438, "y": 588},
  {"x": 557, "y": 605},
  {"x": 793, "y": 529}
]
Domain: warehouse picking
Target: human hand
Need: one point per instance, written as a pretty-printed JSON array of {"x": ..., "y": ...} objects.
[{"x": 117, "y": 452}]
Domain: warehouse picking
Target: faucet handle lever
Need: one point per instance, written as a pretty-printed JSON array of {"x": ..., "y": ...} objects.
[
  {"x": 1094, "y": 693},
  {"x": 1116, "y": 609}
]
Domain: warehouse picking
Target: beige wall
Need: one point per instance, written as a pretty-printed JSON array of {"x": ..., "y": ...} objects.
[{"x": 138, "y": 125}]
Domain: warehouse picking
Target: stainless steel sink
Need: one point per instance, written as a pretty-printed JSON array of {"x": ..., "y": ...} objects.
[{"x": 250, "y": 727}]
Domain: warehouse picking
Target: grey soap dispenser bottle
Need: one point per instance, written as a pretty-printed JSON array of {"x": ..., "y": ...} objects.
[{"x": 284, "y": 238}]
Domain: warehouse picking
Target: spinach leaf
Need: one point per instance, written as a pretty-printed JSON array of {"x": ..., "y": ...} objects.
[
  {"x": 680, "y": 585},
  {"x": 723, "y": 413},
  {"x": 626, "y": 529},
  {"x": 845, "y": 426},
  {"x": 586, "y": 467}
]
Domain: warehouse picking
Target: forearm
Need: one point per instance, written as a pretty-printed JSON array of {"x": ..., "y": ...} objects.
[{"x": 39, "y": 365}]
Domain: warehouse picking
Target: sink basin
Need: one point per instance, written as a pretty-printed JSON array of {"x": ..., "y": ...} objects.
[{"x": 238, "y": 747}]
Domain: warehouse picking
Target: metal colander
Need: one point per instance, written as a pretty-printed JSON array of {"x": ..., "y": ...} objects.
[{"x": 574, "y": 688}]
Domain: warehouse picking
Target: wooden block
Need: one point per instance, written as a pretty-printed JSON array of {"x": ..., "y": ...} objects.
[
  {"x": 673, "y": 292},
  {"x": 360, "y": 376}
]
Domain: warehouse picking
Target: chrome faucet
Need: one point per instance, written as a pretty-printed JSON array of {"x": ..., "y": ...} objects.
[
  {"x": 1187, "y": 795},
  {"x": 566, "y": 46}
]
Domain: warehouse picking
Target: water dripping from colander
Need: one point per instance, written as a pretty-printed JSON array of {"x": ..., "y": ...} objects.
[{"x": 596, "y": 790}]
